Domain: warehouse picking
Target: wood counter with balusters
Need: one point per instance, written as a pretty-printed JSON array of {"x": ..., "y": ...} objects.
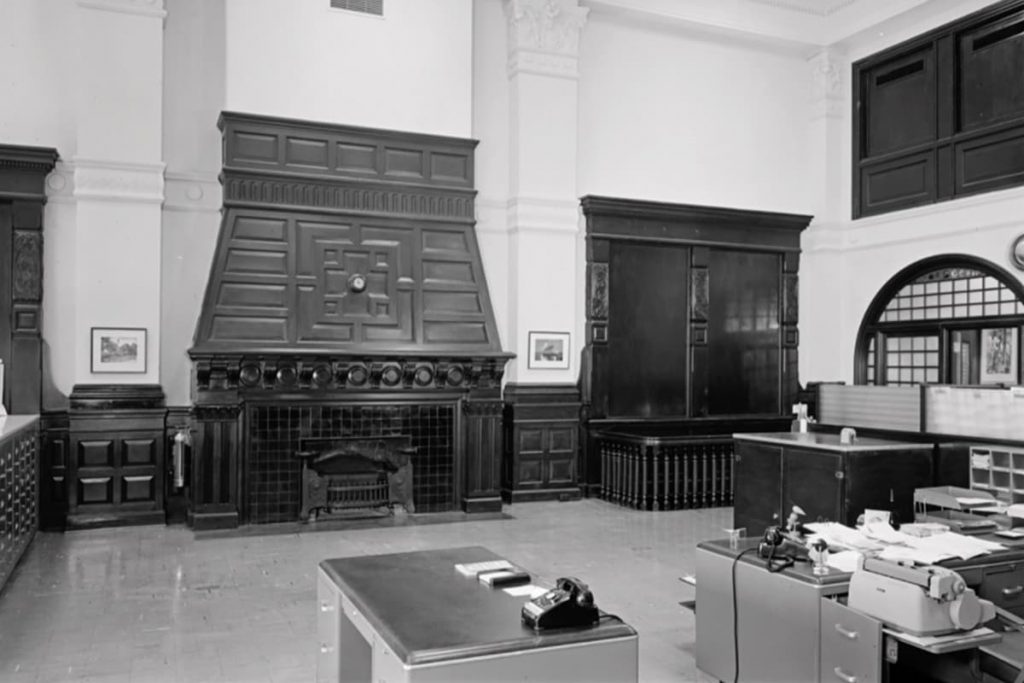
[{"x": 19, "y": 474}]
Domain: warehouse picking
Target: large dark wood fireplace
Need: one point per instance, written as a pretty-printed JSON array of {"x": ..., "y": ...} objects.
[{"x": 346, "y": 300}]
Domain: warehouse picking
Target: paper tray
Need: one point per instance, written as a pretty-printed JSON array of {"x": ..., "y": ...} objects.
[{"x": 953, "y": 497}]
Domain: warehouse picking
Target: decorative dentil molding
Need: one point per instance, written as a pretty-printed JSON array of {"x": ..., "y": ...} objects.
[
  {"x": 826, "y": 84},
  {"x": 115, "y": 181},
  {"x": 145, "y": 8},
  {"x": 544, "y": 36}
]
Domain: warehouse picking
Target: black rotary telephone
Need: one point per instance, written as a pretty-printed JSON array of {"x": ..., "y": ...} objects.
[
  {"x": 781, "y": 549},
  {"x": 569, "y": 603}
]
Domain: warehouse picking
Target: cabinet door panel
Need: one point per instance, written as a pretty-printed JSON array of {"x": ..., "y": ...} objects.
[
  {"x": 756, "y": 477},
  {"x": 809, "y": 480}
]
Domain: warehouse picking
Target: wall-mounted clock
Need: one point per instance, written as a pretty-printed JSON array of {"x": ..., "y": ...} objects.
[{"x": 1017, "y": 252}]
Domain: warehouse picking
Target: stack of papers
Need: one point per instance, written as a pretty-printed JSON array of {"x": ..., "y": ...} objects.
[
  {"x": 841, "y": 536},
  {"x": 889, "y": 544},
  {"x": 477, "y": 568}
]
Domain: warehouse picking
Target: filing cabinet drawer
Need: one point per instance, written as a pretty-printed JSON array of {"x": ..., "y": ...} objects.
[
  {"x": 1004, "y": 586},
  {"x": 328, "y": 608},
  {"x": 850, "y": 645}
]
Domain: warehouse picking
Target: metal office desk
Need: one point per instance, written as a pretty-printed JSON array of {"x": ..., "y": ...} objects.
[
  {"x": 787, "y": 633},
  {"x": 410, "y": 617}
]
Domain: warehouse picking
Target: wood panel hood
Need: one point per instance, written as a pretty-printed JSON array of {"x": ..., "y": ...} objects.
[{"x": 340, "y": 243}]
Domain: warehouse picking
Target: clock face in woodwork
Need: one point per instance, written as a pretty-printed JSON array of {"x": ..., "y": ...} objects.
[
  {"x": 357, "y": 283},
  {"x": 1017, "y": 252}
]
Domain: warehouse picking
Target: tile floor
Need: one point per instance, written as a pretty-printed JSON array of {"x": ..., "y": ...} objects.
[{"x": 154, "y": 604}]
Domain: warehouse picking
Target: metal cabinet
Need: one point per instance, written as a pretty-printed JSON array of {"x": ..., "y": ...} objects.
[{"x": 850, "y": 645}]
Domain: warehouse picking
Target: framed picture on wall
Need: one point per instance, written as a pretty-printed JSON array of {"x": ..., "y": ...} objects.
[
  {"x": 118, "y": 349},
  {"x": 548, "y": 350},
  {"x": 999, "y": 356}
]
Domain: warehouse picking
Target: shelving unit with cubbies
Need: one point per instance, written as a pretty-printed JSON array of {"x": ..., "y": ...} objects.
[{"x": 999, "y": 471}]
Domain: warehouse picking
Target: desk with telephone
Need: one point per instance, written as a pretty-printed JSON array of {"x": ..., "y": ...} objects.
[{"x": 414, "y": 617}]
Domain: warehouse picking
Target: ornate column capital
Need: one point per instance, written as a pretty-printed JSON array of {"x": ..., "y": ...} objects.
[
  {"x": 544, "y": 36},
  {"x": 827, "y": 70}
]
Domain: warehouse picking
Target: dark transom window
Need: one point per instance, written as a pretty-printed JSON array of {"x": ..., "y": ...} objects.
[{"x": 953, "y": 320}]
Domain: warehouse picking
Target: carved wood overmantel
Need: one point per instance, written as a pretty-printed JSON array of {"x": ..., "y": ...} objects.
[{"x": 346, "y": 270}]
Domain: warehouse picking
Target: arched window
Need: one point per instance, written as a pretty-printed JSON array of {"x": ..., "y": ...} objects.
[{"x": 950, "y": 319}]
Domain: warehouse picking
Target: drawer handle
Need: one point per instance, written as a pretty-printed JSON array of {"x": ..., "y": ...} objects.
[
  {"x": 326, "y": 607},
  {"x": 852, "y": 635},
  {"x": 326, "y": 649},
  {"x": 1010, "y": 592},
  {"x": 843, "y": 676}
]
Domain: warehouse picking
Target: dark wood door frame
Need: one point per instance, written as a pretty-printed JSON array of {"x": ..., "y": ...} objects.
[{"x": 23, "y": 173}]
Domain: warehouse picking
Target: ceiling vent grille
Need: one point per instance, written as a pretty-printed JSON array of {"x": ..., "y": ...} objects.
[{"x": 375, "y": 7}]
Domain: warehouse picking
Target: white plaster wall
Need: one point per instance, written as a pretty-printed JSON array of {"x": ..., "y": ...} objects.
[
  {"x": 410, "y": 70},
  {"x": 491, "y": 161},
  {"x": 844, "y": 265},
  {"x": 194, "y": 75},
  {"x": 37, "y": 104},
  {"x": 680, "y": 117}
]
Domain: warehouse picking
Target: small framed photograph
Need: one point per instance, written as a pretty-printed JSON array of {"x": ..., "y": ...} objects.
[
  {"x": 548, "y": 350},
  {"x": 999, "y": 356},
  {"x": 118, "y": 349}
]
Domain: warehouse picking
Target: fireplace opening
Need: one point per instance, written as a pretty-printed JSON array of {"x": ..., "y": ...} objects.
[
  {"x": 356, "y": 475},
  {"x": 276, "y": 432}
]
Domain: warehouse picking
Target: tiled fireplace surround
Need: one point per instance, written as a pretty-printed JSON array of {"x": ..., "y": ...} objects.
[{"x": 274, "y": 431}]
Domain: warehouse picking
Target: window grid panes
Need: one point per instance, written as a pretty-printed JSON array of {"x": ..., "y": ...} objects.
[
  {"x": 950, "y": 294},
  {"x": 904, "y": 345},
  {"x": 911, "y": 360},
  {"x": 871, "y": 360}
]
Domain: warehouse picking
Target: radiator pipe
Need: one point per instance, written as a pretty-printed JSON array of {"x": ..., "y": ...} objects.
[{"x": 181, "y": 441}]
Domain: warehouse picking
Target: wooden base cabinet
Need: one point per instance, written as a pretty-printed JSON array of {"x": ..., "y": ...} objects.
[
  {"x": 116, "y": 444},
  {"x": 542, "y": 426}
]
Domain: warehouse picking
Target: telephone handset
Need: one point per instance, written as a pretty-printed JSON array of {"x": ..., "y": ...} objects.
[{"x": 569, "y": 603}]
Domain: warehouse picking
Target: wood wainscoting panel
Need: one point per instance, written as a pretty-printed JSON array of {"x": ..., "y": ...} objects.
[
  {"x": 542, "y": 426},
  {"x": 116, "y": 437}
]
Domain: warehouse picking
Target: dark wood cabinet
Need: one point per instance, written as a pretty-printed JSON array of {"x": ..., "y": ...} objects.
[
  {"x": 541, "y": 442},
  {"x": 828, "y": 480},
  {"x": 692, "y": 323},
  {"x": 116, "y": 464},
  {"x": 942, "y": 115},
  {"x": 19, "y": 471}
]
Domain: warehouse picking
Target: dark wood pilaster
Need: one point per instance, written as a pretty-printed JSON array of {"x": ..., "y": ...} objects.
[
  {"x": 482, "y": 420},
  {"x": 214, "y": 481},
  {"x": 53, "y": 469},
  {"x": 23, "y": 171}
]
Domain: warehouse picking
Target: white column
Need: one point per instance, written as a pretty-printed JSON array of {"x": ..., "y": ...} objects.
[
  {"x": 118, "y": 178},
  {"x": 543, "y": 207},
  {"x": 823, "y": 339}
]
